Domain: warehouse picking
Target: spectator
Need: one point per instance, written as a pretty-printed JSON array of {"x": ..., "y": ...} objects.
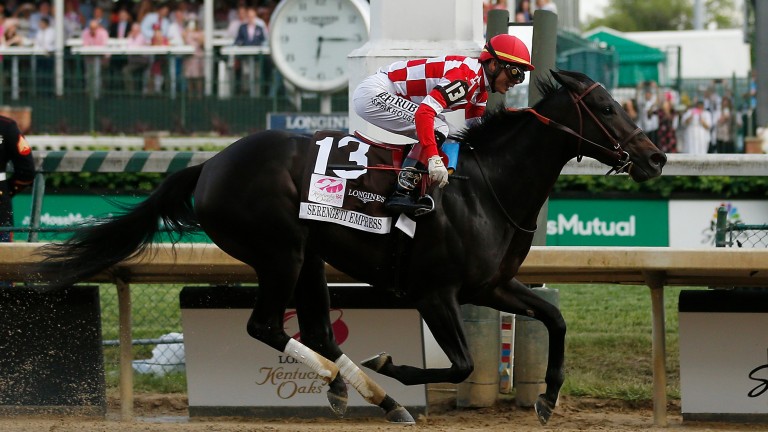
[
  {"x": 648, "y": 114},
  {"x": 100, "y": 16},
  {"x": 46, "y": 40},
  {"x": 252, "y": 33},
  {"x": 157, "y": 20},
  {"x": 523, "y": 12},
  {"x": 22, "y": 14},
  {"x": 752, "y": 97},
  {"x": 194, "y": 65},
  {"x": 17, "y": 151},
  {"x": 11, "y": 35},
  {"x": 546, "y": 5},
  {"x": 240, "y": 19},
  {"x": 697, "y": 122},
  {"x": 2, "y": 30},
  {"x": 43, "y": 11},
  {"x": 95, "y": 35},
  {"x": 667, "y": 132},
  {"x": 73, "y": 21},
  {"x": 157, "y": 68},
  {"x": 727, "y": 124},
  {"x": 144, "y": 8},
  {"x": 122, "y": 27},
  {"x": 629, "y": 107},
  {"x": 136, "y": 63},
  {"x": 177, "y": 27}
]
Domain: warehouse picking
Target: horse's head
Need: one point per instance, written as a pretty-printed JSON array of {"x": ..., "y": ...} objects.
[{"x": 606, "y": 132}]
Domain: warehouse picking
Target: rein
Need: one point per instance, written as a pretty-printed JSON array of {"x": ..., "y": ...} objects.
[
  {"x": 618, "y": 153},
  {"x": 496, "y": 197}
]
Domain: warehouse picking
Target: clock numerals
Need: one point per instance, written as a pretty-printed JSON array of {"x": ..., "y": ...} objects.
[
  {"x": 302, "y": 5},
  {"x": 291, "y": 19},
  {"x": 290, "y": 58}
]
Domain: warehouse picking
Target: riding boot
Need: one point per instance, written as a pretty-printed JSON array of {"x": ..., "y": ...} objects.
[{"x": 405, "y": 198}]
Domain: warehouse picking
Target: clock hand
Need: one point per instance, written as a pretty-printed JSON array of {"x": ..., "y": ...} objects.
[{"x": 319, "y": 46}]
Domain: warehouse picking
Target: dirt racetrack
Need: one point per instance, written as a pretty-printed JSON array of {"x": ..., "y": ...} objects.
[{"x": 164, "y": 413}]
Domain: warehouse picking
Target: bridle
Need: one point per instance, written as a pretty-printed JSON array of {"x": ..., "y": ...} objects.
[{"x": 618, "y": 155}]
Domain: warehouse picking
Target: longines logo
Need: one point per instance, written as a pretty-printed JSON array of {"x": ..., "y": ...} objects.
[
  {"x": 321, "y": 21},
  {"x": 366, "y": 197}
]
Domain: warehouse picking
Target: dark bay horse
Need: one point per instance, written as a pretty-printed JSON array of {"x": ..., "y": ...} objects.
[{"x": 246, "y": 198}]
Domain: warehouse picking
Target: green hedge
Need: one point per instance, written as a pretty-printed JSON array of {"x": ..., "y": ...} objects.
[{"x": 665, "y": 187}]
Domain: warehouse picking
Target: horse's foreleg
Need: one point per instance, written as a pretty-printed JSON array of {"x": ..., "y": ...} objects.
[
  {"x": 442, "y": 317},
  {"x": 515, "y": 297}
]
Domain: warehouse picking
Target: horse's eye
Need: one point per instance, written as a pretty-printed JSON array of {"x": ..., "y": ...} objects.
[{"x": 607, "y": 110}]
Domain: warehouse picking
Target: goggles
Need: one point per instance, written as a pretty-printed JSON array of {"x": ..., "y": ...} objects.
[{"x": 515, "y": 74}]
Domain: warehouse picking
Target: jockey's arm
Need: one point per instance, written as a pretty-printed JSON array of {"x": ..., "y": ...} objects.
[{"x": 425, "y": 130}]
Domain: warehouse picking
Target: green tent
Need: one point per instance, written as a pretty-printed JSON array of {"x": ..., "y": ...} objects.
[
  {"x": 637, "y": 62},
  {"x": 583, "y": 55}
]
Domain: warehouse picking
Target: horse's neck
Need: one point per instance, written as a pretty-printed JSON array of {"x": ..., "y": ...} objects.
[{"x": 522, "y": 168}]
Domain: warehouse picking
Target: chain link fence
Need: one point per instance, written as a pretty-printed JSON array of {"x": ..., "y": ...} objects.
[
  {"x": 158, "y": 341},
  {"x": 737, "y": 234}
]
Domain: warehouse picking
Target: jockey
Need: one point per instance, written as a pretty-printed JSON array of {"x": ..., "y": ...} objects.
[{"x": 409, "y": 98}]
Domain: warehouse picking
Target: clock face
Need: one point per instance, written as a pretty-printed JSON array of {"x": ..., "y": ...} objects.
[{"x": 310, "y": 40}]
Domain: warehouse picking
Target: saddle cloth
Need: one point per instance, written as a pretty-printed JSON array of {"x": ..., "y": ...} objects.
[{"x": 341, "y": 186}]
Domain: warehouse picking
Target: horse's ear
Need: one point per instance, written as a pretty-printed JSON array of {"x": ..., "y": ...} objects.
[{"x": 570, "y": 80}]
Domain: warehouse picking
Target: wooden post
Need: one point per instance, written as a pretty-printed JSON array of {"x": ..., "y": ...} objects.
[
  {"x": 655, "y": 280},
  {"x": 126, "y": 354}
]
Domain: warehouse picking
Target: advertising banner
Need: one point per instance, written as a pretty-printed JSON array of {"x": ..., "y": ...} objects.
[
  {"x": 606, "y": 222},
  {"x": 692, "y": 222}
]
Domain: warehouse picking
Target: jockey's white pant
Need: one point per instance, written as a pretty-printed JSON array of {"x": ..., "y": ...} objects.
[{"x": 376, "y": 101}]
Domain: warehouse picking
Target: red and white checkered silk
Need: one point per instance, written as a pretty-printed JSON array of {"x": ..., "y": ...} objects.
[{"x": 415, "y": 79}]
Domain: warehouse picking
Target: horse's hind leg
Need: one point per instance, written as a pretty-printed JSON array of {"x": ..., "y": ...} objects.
[{"x": 312, "y": 305}]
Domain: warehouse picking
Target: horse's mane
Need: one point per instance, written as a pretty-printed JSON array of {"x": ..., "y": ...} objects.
[{"x": 501, "y": 119}]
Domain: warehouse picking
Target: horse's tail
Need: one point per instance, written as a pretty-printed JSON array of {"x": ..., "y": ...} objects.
[{"x": 111, "y": 240}]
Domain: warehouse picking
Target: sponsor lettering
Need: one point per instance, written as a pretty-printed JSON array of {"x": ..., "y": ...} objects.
[
  {"x": 594, "y": 227},
  {"x": 762, "y": 387},
  {"x": 289, "y": 383},
  {"x": 366, "y": 197},
  {"x": 48, "y": 219},
  {"x": 327, "y": 190},
  {"x": 402, "y": 108},
  {"x": 308, "y": 122}
]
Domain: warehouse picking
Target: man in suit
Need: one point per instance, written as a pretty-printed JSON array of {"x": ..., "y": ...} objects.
[
  {"x": 14, "y": 149},
  {"x": 121, "y": 28},
  {"x": 253, "y": 32}
]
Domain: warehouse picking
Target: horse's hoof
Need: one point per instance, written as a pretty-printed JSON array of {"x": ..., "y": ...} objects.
[
  {"x": 337, "y": 396},
  {"x": 400, "y": 415},
  {"x": 544, "y": 409},
  {"x": 377, "y": 362}
]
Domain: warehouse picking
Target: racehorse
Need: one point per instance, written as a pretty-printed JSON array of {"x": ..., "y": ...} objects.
[{"x": 468, "y": 251}]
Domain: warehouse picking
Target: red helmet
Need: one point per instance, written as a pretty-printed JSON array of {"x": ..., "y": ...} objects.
[{"x": 509, "y": 49}]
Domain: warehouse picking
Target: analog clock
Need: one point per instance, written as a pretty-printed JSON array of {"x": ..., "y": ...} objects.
[{"x": 310, "y": 40}]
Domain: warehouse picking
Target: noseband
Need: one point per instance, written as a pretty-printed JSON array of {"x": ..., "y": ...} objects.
[{"x": 617, "y": 154}]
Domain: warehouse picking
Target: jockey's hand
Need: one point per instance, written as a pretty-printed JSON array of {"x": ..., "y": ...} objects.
[{"x": 437, "y": 171}]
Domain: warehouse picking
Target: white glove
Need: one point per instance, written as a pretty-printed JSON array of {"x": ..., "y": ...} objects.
[{"x": 437, "y": 171}]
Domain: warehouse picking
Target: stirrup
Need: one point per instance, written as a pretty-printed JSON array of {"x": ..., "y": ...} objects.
[
  {"x": 426, "y": 200},
  {"x": 400, "y": 202}
]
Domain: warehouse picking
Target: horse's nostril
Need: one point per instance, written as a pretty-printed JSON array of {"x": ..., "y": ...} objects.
[{"x": 659, "y": 158}]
